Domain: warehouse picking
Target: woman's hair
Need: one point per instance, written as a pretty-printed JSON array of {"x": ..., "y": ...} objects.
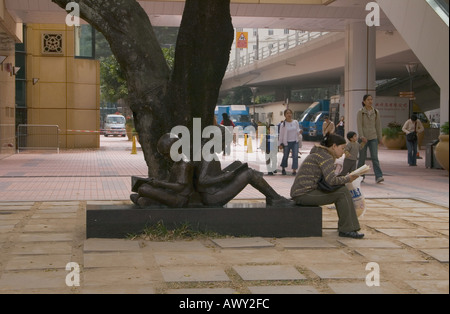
[
  {"x": 287, "y": 111},
  {"x": 365, "y": 98},
  {"x": 414, "y": 117},
  {"x": 330, "y": 139}
]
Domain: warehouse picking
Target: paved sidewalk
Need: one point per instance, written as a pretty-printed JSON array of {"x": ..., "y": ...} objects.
[{"x": 43, "y": 197}]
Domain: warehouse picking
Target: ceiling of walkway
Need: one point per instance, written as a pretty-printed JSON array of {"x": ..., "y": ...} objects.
[{"x": 309, "y": 15}]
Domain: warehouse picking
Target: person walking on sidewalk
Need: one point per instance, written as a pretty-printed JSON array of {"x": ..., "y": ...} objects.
[
  {"x": 328, "y": 126},
  {"x": 340, "y": 127},
  {"x": 288, "y": 138},
  {"x": 320, "y": 164},
  {"x": 412, "y": 128},
  {"x": 226, "y": 121},
  {"x": 369, "y": 130},
  {"x": 351, "y": 153}
]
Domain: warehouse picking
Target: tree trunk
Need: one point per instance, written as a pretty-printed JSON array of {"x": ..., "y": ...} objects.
[{"x": 160, "y": 101}]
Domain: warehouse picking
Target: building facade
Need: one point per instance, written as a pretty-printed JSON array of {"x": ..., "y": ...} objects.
[{"x": 47, "y": 79}]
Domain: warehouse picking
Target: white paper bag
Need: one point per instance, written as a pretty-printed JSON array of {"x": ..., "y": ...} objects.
[{"x": 357, "y": 196}]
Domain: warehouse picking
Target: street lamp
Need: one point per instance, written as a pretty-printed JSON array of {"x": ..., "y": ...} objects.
[{"x": 412, "y": 69}]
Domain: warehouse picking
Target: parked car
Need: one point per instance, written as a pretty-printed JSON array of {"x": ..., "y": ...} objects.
[{"x": 114, "y": 125}]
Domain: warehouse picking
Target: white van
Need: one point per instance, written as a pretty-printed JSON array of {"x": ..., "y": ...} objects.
[{"x": 114, "y": 125}]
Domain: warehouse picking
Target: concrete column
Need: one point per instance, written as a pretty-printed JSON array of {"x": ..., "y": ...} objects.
[
  {"x": 444, "y": 105},
  {"x": 360, "y": 69}
]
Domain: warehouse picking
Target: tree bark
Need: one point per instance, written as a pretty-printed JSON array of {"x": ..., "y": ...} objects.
[{"x": 159, "y": 100}]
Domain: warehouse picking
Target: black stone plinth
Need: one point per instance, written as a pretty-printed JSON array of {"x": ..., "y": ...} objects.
[{"x": 119, "y": 221}]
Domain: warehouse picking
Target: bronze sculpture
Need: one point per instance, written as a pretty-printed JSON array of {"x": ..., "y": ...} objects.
[
  {"x": 201, "y": 182},
  {"x": 176, "y": 191}
]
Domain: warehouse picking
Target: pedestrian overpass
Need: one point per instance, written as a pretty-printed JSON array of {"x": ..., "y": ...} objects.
[{"x": 420, "y": 24}]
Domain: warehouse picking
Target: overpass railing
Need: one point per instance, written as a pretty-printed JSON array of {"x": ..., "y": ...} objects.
[{"x": 273, "y": 48}]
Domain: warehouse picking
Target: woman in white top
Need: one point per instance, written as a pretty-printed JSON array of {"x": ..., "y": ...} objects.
[
  {"x": 288, "y": 137},
  {"x": 412, "y": 125}
]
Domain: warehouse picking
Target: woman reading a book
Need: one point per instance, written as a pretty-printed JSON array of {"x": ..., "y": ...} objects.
[{"x": 318, "y": 167}]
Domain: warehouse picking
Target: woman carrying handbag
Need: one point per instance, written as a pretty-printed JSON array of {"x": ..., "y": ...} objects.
[{"x": 412, "y": 128}]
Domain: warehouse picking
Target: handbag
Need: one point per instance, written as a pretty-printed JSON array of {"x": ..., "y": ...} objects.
[
  {"x": 411, "y": 137},
  {"x": 325, "y": 187}
]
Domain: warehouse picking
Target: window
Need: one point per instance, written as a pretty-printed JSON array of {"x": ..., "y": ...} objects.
[
  {"x": 85, "y": 42},
  {"x": 21, "y": 81}
]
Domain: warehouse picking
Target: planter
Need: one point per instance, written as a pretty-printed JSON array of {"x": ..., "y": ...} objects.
[
  {"x": 441, "y": 151},
  {"x": 398, "y": 142}
]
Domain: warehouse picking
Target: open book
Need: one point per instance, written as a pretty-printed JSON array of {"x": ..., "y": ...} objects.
[{"x": 360, "y": 171}]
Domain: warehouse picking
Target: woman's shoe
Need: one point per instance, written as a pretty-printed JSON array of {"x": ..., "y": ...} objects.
[
  {"x": 283, "y": 172},
  {"x": 351, "y": 234}
]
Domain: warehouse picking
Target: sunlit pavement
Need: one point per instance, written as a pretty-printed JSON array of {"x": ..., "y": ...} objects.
[{"x": 43, "y": 198}]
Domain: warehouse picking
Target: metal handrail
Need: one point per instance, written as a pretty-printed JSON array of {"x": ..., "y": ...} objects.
[
  {"x": 38, "y": 140},
  {"x": 274, "y": 48}
]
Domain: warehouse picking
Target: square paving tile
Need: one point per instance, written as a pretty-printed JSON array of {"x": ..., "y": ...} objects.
[
  {"x": 33, "y": 279},
  {"x": 414, "y": 270},
  {"x": 29, "y": 262},
  {"x": 440, "y": 254},
  {"x": 116, "y": 276},
  {"x": 298, "y": 243},
  {"x": 390, "y": 255},
  {"x": 368, "y": 243},
  {"x": 433, "y": 225},
  {"x": 40, "y": 248},
  {"x": 339, "y": 271},
  {"x": 193, "y": 273},
  {"x": 426, "y": 243},
  {"x": 242, "y": 243},
  {"x": 362, "y": 288},
  {"x": 283, "y": 290},
  {"x": 268, "y": 272},
  {"x": 430, "y": 286},
  {"x": 387, "y": 224},
  {"x": 255, "y": 256},
  {"x": 114, "y": 259},
  {"x": 176, "y": 246},
  {"x": 412, "y": 232},
  {"x": 313, "y": 256},
  {"x": 104, "y": 245},
  {"x": 45, "y": 237},
  {"x": 202, "y": 291},
  {"x": 146, "y": 288},
  {"x": 184, "y": 258}
]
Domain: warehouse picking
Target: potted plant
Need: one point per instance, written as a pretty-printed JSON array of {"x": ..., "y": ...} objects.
[
  {"x": 441, "y": 151},
  {"x": 393, "y": 136}
]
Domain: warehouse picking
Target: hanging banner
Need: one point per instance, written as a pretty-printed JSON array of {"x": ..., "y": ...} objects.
[{"x": 242, "y": 40}]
